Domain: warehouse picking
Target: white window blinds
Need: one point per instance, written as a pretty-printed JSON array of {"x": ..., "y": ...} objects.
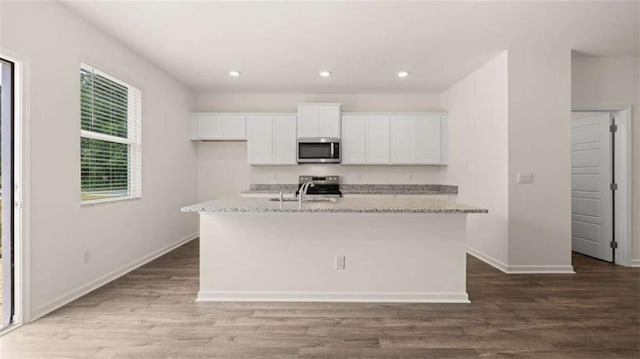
[{"x": 110, "y": 138}]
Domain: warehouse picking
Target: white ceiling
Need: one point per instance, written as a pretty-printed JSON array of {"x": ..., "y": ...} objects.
[{"x": 281, "y": 47}]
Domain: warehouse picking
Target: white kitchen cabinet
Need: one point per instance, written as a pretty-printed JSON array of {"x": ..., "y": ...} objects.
[
  {"x": 354, "y": 150},
  {"x": 365, "y": 139},
  {"x": 271, "y": 139},
  {"x": 418, "y": 139},
  {"x": 377, "y": 139},
  {"x": 318, "y": 120},
  {"x": 284, "y": 140},
  {"x": 260, "y": 140},
  {"x": 218, "y": 126}
]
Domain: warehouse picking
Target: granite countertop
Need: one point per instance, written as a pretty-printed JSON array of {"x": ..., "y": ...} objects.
[
  {"x": 343, "y": 205},
  {"x": 398, "y": 189},
  {"x": 362, "y": 188}
]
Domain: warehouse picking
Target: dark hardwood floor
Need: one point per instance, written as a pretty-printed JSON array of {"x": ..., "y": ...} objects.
[{"x": 151, "y": 313}]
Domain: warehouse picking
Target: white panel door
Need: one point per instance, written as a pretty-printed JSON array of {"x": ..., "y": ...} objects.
[
  {"x": 353, "y": 140},
  {"x": 428, "y": 139},
  {"x": 259, "y": 140},
  {"x": 284, "y": 140},
  {"x": 591, "y": 197},
  {"x": 377, "y": 139},
  {"x": 403, "y": 139}
]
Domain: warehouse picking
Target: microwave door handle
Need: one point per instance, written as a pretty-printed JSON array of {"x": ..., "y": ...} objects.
[{"x": 332, "y": 150}]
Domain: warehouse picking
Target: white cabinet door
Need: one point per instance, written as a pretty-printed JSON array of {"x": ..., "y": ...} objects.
[
  {"x": 353, "y": 140},
  {"x": 271, "y": 139},
  {"x": 377, "y": 139},
  {"x": 365, "y": 139},
  {"x": 444, "y": 140},
  {"x": 234, "y": 127},
  {"x": 319, "y": 120},
  {"x": 260, "y": 140},
  {"x": 284, "y": 140},
  {"x": 428, "y": 139},
  {"x": 308, "y": 121},
  {"x": 416, "y": 139},
  {"x": 329, "y": 121},
  {"x": 403, "y": 139},
  {"x": 206, "y": 126},
  {"x": 215, "y": 126}
]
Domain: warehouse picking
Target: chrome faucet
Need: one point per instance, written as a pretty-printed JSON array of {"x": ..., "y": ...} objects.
[{"x": 303, "y": 192}]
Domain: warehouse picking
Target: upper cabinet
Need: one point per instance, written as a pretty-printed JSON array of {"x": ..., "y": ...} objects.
[
  {"x": 218, "y": 126},
  {"x": 365, "y": 139},
  {"x": 271, "y": 139},
  {"x": 381, "y": 138},
  {"x": 319, "y": 120},
  {"x": 419, "y": 139},
  {"x": 395, "y": 138}
]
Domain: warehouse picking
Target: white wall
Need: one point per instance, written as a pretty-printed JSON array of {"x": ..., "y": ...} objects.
[
  {"x": 223, "y": 169},
  {"x": 286, "y": 102},
  {"x": 53, "y": 41},
  {"x": 539, "y": 143},
  {"x": 613, "y": 81},
  {"x": 510, "y": 116},
  {"x": 477, "y": 107}
]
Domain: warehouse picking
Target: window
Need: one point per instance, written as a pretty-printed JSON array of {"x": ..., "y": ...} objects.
[{"x": 110, "y": 139}]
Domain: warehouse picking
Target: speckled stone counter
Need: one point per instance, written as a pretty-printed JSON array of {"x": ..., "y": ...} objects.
[
  {"x": 344, "y": 205},
  {"x": 272, "y": 188},
  {"x": 418, "y": 189},
  {"x": 398, "y": 189}
]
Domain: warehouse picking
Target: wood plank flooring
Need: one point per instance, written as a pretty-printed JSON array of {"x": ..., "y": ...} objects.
[{"x": 151, "y": 313}]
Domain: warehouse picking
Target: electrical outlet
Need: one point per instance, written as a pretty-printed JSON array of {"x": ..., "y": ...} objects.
[
  {"x": 340, "y": 262},
  {"x": 86, "y": 257},
  {"x": 525, "y": 178}
]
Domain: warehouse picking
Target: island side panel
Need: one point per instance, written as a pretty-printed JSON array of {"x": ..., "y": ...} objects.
[{"x": 390, "y": 257}]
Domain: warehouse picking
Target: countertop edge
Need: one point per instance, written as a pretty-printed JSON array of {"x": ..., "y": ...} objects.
[
  {"x": 330, "y": 210},
  {"x": 371, "y": 189}
]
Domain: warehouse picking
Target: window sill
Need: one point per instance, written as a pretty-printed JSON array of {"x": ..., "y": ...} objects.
[{"x": 93, "y": 202}]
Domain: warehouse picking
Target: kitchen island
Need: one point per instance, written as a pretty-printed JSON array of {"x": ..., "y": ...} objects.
[{"x": 354, "y": 250}]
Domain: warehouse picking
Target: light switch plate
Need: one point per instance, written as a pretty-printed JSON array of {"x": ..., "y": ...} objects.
[{"x": 525, "y": 178}]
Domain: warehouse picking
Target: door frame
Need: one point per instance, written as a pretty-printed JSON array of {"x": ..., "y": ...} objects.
[
  {"x": 623, "y": 170},
  {"x": 21, "y": 279}
]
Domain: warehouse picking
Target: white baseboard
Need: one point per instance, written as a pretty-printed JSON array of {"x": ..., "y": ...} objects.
[
  {"x": 365, "y": 297},
  {"x": 635, "y": 262},
  {"x": 540, "y": 269},
  {"x": 521, "y": 269},
  {"x": 99, "y": 282},
  {"x": 488, "y": 259}
]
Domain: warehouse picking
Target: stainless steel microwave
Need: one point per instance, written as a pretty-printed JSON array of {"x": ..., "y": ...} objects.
[{"x": 318, "y": 150}]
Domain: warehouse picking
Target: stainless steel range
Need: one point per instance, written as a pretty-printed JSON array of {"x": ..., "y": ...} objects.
[{"x": 323, "y": 186}]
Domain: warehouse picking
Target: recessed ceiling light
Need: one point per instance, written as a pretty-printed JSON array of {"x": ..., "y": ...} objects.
[
  {"x": 234, "y": 73},
  {"x": 403, "y": 74},
  {"x": 325, "y": 74}
]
